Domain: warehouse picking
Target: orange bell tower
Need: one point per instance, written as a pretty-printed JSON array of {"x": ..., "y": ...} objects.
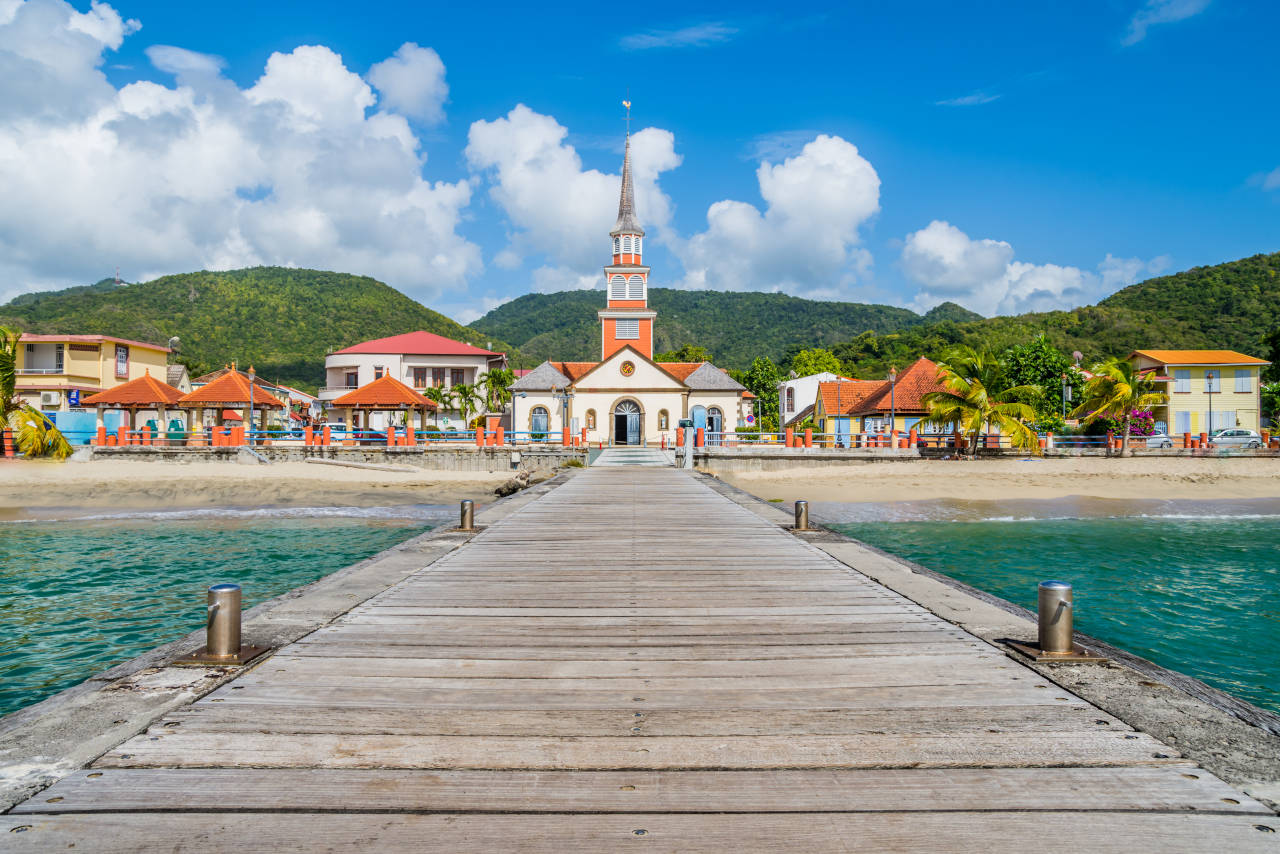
[{"x": 627, "y": 318}]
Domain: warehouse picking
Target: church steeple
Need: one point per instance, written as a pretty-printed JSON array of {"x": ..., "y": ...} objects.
[{"x": 627, "y": 320}]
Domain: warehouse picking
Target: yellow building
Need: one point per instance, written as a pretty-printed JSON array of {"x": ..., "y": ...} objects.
[
  {"x": 1199, "y": 382},
  {"x": 55, "y": 371}
]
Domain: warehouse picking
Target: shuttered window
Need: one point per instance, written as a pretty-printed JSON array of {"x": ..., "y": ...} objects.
[
  {"x": 1182, "y": 380},
  {"x": 628, "y": 329},
  {"x": 618, "y": 288},
  {"x": 1242, "y": 380},
  {"x": 626, "y": 245},
  {"x": 635, "y": 287}
]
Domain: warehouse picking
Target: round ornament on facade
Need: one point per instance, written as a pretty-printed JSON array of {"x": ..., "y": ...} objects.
[{"x": 627, "y": 368}]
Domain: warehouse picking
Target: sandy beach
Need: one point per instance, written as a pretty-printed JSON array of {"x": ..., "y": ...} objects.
[
  {"x": 131, "y": 484},
  {"x": 1004, "y": 479}
]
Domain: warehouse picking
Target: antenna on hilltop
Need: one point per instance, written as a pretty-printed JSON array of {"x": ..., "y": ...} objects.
[{"x": 117, "y": 277}]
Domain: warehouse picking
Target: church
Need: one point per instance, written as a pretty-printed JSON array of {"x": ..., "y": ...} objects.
[{"x": 627, "y": 398}]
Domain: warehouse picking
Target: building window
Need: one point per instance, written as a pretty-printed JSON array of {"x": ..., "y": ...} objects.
[
  {"x": 1242, "y": 379},
  {"x": 437, "y": 377},
  {"x": 617, "y": 246},
  {"x": 538, "y": 422},
  {"x": 591, "y": 419},
  {"x": 1221, "y": 420},
  {"x": 626, "y": 245},
  {"x": 1212, "y": 381},
  {"x": 58, "y": 359},
  {"x": 791, "y": 399},
  {"x": 664, "y": 419},
  {"x": 353, "y": 379},
  {"x": 419, "y": 377},
  {"x": 618, "y": 288},
  {"x": 122, "y": 361},
  {"x": 1182, "y": 380},
  {"x": 455, "y": 376},
  {"x": 627, "y": 330},
  {"x": 377, "y": 372},
  {"x": 1182, "y": 422},
  {"x": 637, "y": 246},
  {"x": 635, "y": 288}
]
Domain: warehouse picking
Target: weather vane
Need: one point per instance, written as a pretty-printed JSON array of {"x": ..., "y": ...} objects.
[{"x": 627, "y": 104}]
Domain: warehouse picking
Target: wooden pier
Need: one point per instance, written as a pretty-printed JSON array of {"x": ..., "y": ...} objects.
[{"x": 633, "y": 661}]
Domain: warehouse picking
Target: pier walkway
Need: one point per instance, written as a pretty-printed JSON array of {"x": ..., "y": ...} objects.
[{"x": 633, "y": 661}]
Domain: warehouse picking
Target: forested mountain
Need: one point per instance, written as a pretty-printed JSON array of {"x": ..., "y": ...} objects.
[{"x": 280, "y": 320}]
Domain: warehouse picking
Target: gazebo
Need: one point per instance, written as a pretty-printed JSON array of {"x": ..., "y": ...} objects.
[
  {"x": 231, "y": 391},
  {"x": 387, "y": 394},
  {"x": 145, "y": 393}
]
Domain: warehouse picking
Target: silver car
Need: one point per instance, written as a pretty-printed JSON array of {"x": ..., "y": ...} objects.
[
  {"x": 1236, "y": 437},
  {"x": 1159, "y": 440}
]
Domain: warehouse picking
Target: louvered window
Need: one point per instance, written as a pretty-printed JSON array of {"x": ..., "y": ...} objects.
[
  {"x": 628, "y": 329},
  {"x": 637, "y": 246},
  {"x": 635, "y": 287},
  {"x": 617, "y": 245},
  {"x": 626, "y": 245},
  {"x": 618, "y": 288}
]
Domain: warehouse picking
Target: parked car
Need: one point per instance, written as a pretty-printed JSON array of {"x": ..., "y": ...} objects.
[
  {"x": 1159, "y": 440},
  {"x": 1236, "y": 438},
  {"x": 337, "y": 429}
]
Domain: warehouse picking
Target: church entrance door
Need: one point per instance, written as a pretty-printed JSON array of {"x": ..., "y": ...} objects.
[{"x": 626, "y": 423}]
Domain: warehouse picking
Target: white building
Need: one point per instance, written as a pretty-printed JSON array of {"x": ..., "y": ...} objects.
[
  {"x": 797, "y": 396},
  {"x": 626, "y": 398},
  {"x": 420, "y": 360}
]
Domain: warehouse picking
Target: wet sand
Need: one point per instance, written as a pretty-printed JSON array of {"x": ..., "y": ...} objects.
[
  {"x": 1175, "y": 478},
  {"x": 130, "y": 484}
]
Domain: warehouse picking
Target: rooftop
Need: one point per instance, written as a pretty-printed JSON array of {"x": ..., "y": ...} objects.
[
  {"x": 146, "y": 390},
  {"x": 386, "y": 392},
  {"x": 420, "y": 343},
  {"x": 920, "y": 378},
  {"x": 33, "y": 338},
  {"x": 1199, "y": 357},
  {"x": 231, "y": 389}
]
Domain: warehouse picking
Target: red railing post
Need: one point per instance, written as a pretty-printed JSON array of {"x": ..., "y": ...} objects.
[
  {"x": 700, "y": 438},
  {"x": 808, "y": 437}
]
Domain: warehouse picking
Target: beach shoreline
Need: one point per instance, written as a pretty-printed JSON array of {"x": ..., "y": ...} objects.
[
  {"x": 1013, "y": 479},
  {"x": 145, "y": 485}
]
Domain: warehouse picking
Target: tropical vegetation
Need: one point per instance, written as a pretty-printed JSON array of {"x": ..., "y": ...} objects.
[
  {"x": 1118, "y": 391},
  {"x": 978, "y": 397},
  {"x": 29, "y": 430}
]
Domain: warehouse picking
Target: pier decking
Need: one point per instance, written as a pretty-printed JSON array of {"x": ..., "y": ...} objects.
[{"x": 634, "y": 661}]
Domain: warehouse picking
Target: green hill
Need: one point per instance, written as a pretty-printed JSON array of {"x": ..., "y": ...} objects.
[
  {"x": 735, "y": 327},
  {"x": 280, "y": 320}
]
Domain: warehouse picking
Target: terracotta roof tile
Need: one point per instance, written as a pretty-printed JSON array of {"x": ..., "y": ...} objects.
[
  {"x": 91, "y": 339},
  {"x": 913, "y": 383},
  {"x": 680, "y": 370},
  {"x": 1199, "y": 357},
  {"x": 387, "y": 392},
  {"x": 839, "y": 397},
  {"x": 420, "y": 343},
  {"x": 146, "y": 390},
  {"x": 231, "y": 389},
  {"x": 574, "y": 370}
]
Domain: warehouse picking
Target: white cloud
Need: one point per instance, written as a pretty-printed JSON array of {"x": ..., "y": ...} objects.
[
  {"x": 699, "y": 35},
  {"x": 1155, "y": 12},
  {"x": 412, "y": 83},
  {"x": 1271, "y": 181},
  {"x": 806, "y": 238},
  {"x": 973, "y": 99},
  {"x": 158, "y": 179},
  {"x": 983, "y": 275},
  {"x": 558, "y": 209}
]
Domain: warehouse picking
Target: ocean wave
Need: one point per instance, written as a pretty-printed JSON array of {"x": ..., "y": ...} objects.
[{"x": 426, "y": 513}]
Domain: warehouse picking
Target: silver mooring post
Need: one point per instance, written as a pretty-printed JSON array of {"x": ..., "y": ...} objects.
[
  {"x": 222, "y": 633},
  {"x": 802, "y": 516},
  {"x": 688, "y": 447},
  {"x": 467, "y": 522},
  {"x": 1055, "y": 608}
]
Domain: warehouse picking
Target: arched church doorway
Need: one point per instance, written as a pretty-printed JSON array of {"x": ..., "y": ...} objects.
[{"x": 626, "y": 423}]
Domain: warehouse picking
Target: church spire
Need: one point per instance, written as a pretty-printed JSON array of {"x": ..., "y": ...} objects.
[{"x": 627, "y": 202}]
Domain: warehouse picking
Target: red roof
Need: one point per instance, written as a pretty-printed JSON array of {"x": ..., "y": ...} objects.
[
  {"x": 90, "y": 339},
  {"x": 231, "y": 389},
  {"x": 913, "y": 384},
  {"x": 839, "y": 397},
  {"x": 574, "y": 370},
  {"x": 385, "y": 392},
  {"x": 146, "y": 390},
  {"x": 520, "y": 372},
  {"x": 420, "y": 343},
  {"x": 680, "y": 370},
  {"x": 232, "y": 415},
  {"x": 748, "y": 394}
]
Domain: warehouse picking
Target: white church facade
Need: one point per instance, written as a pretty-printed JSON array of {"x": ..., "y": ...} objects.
[{"x": 626, "y": 398}]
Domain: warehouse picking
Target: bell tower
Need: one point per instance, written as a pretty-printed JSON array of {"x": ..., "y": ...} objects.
[{"x": 627, "y": 318}]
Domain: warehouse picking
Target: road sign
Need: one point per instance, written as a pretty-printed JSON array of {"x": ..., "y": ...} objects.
[{"x": 73, "y": 397}]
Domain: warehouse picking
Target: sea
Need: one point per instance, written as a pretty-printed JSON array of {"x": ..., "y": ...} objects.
[
  {"x": 83, "y": 591},
  {"x": 1191, "y": 585}
]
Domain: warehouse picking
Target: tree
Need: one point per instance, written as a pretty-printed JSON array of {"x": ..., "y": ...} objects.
[
  {"x": 467, "y": 400},
  {"x": 497, "y": 383},
  {"x": 977, "y": 397},
  {"x": 8, "y": 383},
  {"x": 1116, "y": 391},
  {"x": 1271, "y": 403},
  {"x": 1039, "y": 363},
  {"x": 440, "y": 396},
  {"x": 762, "y": 380},
  {"x": 809, "y": 362},
  {"x": 1271, "y": 347},
  {"x": 687, "y": 353}
]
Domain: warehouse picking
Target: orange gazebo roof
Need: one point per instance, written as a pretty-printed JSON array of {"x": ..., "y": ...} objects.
[
  {"x": 231, "y": 389},
  {"x": 146, "y": 390},
  {"x": 385, "y": 393}
]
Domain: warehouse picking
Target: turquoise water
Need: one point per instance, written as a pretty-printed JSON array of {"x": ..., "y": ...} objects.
[
  {"x": 1194, "y": 589},
  {"x": 80, "y": 595}
]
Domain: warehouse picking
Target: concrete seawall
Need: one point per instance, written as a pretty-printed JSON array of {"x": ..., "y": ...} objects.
[{"x": 533, "y": 460}]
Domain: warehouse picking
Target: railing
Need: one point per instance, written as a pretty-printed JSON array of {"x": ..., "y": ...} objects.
[{"x": 40, "y": 371}]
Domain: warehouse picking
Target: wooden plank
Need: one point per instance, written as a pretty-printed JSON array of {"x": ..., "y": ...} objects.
[
  {"x": 554, "y": 833},
  {"x": 893, "y": 645},
  {"x": 878, "y": 790}
]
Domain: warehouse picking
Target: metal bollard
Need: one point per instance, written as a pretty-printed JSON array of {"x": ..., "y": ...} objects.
[
  {"x": 802, "y": 516},
  {"x": 1055, "y": 606},
  {"x": 222, "y": 633},
  {"x": 468, "y": 516}
]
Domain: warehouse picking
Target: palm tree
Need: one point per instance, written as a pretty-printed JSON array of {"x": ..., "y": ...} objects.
[
  {"x": 466, "y": 400},
  {"x": 1115, "y": 391},
  {"x": 440, "y": 396},
  {"x": 496, "y": 384},
  {"x": 9, "y": 403},
  {"x": 978, "y": 397}
]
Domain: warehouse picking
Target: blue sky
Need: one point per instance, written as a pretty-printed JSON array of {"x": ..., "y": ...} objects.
[{"x": 1008, "y": 156}]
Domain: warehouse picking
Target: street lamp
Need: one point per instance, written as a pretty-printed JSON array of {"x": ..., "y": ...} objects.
[
  {"x": 564, "y": 397},
  {"x": 1208, "y": 392},
  {"x": 893, "y": 384}
]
